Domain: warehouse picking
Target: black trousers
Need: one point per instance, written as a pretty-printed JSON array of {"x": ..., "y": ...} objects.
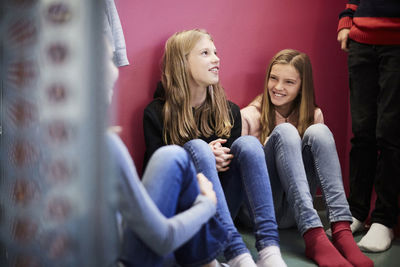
[{"x": 374, "y": 77}]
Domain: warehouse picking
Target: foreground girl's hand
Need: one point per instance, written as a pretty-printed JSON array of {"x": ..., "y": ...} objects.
[
  {"x": 206, "y": 188},
  {"x": 222, "y": 156}
]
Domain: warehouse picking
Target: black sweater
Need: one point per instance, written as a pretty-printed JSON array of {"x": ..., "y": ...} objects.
[{"x": 153, "y": 127}]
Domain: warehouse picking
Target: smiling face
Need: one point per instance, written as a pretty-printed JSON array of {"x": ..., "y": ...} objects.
[
  {"x": 203, "y": 63},
  {"x": 283, "y": 87}
]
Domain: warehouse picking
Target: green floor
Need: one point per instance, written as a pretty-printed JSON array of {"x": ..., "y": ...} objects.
[{"x": 292, "y": 248}]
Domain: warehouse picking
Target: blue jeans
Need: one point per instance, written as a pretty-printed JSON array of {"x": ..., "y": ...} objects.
[
  {"x": 297, "y": 166},
  {"x": 170, "y": 180},
  {"x": 248, "y": 173}
]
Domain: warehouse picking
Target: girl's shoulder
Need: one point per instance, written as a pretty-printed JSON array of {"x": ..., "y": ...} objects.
[
  {"x": 318, "y": 110},
  {"x": 253, "y": 108},
  {"x": 318, "y": 116},
  {"x": 154, "y": 110},
  {"x": 256, "y": 102},
  {"x": 250, "y": 111},
  {"x": 233, "y": 107},
  {"x": 156, "y": 105}
]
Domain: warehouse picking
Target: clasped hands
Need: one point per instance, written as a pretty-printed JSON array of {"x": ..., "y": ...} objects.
[{"x": 221, "y": 153}]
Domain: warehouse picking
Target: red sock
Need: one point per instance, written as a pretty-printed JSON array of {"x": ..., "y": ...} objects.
[
  {"x": 321, "y": 250},
  {"x": 343, "y": 240}
]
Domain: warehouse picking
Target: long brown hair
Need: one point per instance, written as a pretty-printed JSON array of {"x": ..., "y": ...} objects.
[
  {"x": 304, "y": 104},
  {"x": 181, "y": 124}
]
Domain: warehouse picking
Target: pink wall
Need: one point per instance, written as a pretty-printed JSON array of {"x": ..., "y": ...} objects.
[{"x": 247, "y": 34}]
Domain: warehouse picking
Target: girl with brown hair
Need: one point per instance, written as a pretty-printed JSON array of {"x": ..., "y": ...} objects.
[{"x": 301, "y": 155}]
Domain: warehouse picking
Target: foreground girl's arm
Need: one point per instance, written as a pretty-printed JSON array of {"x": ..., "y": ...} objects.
[{"x": 163, "y": 235}]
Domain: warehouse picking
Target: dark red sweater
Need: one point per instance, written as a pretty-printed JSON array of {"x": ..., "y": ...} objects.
[{"x": 372, "y": 21}]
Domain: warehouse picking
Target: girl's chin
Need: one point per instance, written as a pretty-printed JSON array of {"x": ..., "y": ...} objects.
[
  {"x": 277, "y": 102},
  {"x": 215, "y": 81}
]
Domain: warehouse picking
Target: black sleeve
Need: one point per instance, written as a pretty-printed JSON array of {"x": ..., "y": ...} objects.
[
  {"x": 348, "y": 12},
  {"x": 153, "y": 129},
  {"x": 236, "y": 131}
]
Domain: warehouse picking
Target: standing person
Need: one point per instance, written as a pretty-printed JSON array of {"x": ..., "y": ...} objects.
[
  {"x": 369, "y": 31},
  {"x": 301, "y": 155},
  {"x": 170, "y": 211},
  {"x": 195, "y": 114}
]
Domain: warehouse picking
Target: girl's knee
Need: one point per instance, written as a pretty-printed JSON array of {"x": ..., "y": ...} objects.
[
  {"x": 246, "y": 143},
  {"x": 287, "y": 133},
  {"x": 197, "y": 145},
  {"x": 170, "y": 152},
  {"x": 319, "y": 132},
  {"x": 317, "y": 129},
  {"x": 199, "y": 149}
]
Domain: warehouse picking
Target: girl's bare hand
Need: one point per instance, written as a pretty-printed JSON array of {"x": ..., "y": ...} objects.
[
  {"x": 222, "y": 156},
  {"x": 206, "y": 187},
  {"x": 217, "y": 142}
]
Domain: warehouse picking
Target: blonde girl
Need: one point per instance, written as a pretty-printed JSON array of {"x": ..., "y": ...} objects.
[{"x": 191, "y": 110}]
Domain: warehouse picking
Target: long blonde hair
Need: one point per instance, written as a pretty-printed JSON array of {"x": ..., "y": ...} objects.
[
  {"x": 304, "y": 104},
  {"x": 181, "y": 124}
]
